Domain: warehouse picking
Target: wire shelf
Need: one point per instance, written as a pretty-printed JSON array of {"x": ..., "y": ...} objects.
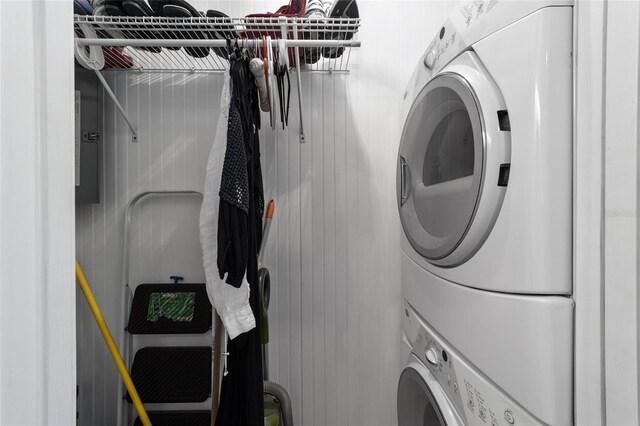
[{"x": 160, "y": 44}]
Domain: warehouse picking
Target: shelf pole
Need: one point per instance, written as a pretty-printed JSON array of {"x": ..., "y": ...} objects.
[
  {"x": 297, "y": 56},
  {"x": 129, "y": 42},
  {"x": 115, "y": 101}
]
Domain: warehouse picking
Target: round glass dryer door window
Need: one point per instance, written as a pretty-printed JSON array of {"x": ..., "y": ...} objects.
[
  {"x": 441, "y": 166},
  {"x": 416, "y": 403}
]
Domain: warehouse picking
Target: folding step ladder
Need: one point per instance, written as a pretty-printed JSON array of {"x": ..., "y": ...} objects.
[{"x": 170, "y": 326}]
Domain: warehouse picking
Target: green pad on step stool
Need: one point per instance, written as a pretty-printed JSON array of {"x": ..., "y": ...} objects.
[{"x": 170, "y": 309}]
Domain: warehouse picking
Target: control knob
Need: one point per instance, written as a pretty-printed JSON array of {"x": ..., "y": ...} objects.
[
  {"x": 432, "y": 356},
  {"x": 430, "y": 59}
]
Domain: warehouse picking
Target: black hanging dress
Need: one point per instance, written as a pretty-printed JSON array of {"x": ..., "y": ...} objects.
[{"x": 239, "y": 236}]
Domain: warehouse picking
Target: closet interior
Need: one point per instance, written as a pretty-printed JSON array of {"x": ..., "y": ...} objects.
[{"x": 148, "y": 102}]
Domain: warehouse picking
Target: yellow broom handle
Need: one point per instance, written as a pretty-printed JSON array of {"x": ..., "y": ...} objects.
[{"x": 104, "y": 328}]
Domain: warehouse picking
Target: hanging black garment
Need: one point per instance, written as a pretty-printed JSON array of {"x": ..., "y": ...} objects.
[
  {"x": 233, "y": 238},
  {"x": 239, "y": 236}
]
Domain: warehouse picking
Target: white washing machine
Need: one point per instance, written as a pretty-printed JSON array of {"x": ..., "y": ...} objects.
[
  {"x": 485, "y": 200},
  {"x": 439, "y": 387}
]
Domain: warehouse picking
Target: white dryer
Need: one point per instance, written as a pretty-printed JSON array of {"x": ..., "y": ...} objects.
[
  {"x": 485, "y": 200},
  {"x": 485, "y": 160}
]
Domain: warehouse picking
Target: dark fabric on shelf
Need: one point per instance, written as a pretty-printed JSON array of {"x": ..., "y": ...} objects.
[{"x": 241, "y": 398}]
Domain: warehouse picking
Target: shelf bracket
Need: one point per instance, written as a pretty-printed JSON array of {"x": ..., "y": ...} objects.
[
  {"x": 297, "y": 55},
  {"x": 134, "y": 134}
]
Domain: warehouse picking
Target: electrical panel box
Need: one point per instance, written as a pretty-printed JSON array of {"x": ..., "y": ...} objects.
[{"x": 88, "y": 136}]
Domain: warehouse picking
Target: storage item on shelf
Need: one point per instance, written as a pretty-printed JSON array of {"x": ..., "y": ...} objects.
[
  {"x": 316, "y": 11},
  {"x": 129, "y": 8},
  {"x": 340, "y": 9},
  {"x": 82, "y": 7},
  {"x": 182, "y": 12},
  {"x": 295, "y": 8}
]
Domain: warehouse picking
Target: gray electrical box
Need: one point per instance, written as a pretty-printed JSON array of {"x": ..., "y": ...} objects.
[{"x": 88, "y": 136}]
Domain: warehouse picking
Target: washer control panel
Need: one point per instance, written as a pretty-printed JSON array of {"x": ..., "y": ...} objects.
[
  {"x": 440, "y": 363},
  {"x": 477, "y": 400}
]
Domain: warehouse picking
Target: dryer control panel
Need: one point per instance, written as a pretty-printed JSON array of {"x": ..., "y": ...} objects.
[
  {"x": 476, "y": 398},
  {"x": 472, "y": 20}
]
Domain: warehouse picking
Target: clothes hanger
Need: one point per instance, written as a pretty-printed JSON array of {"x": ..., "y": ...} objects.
[
  {"x": 229, "y": 51},
  {"x": 286, "y": 115},
  {"x": 265, "y": 59},
  {"x": 237, "y": 50},
  {"x": 272, "y": 81},
  {"x": 279, "y": 82},
  {"x": 284, "y": 71},
  {"x": 284, "y": 88}
]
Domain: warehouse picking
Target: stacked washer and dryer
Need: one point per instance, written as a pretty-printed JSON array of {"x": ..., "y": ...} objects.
[{"x": 485, "y": 200}]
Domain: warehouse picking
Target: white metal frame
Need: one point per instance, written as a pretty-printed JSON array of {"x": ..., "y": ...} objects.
[{"x": 126, "y": 338}]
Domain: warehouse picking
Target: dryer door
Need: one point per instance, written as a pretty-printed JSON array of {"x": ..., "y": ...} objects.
[
  {"x": 421, "y": 401},
  {"x": 453, "y": 163}
]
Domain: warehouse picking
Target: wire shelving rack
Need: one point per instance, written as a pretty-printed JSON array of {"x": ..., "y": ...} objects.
[
  {"x": 199, "y": 44},
  {"x": 159, "y": 44}
]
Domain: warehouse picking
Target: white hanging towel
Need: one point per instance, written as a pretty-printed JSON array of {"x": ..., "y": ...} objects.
[{"x": 232, "y": 304}]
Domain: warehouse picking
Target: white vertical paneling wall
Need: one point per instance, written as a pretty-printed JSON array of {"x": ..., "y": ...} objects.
[
  {"x": 334, "y": 251},
  {"x": 176, "y": 116}
]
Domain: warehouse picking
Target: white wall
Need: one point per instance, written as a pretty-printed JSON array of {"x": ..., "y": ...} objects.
[
  {"x": 334, "y": 250},
  {"x": 621, "y": 174},
  {"x": 590, "y": 44},
  {"x": 607, "y": 224},
  {"x": 37, "y": 315}
]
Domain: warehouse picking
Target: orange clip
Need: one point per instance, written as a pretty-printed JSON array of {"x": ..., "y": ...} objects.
[
  {"x": 271, "y": 209},
  {"x": 264, "y": 56}
]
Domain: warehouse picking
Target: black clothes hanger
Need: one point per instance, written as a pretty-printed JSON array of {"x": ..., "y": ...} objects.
[
  {"x": 280, "y": 84},
  {"x": 282, "y": 71},
  {"x": 286, "y": 116},
  {"x": 221, "y": 34},
  {"x": 234, "y": 52}
]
